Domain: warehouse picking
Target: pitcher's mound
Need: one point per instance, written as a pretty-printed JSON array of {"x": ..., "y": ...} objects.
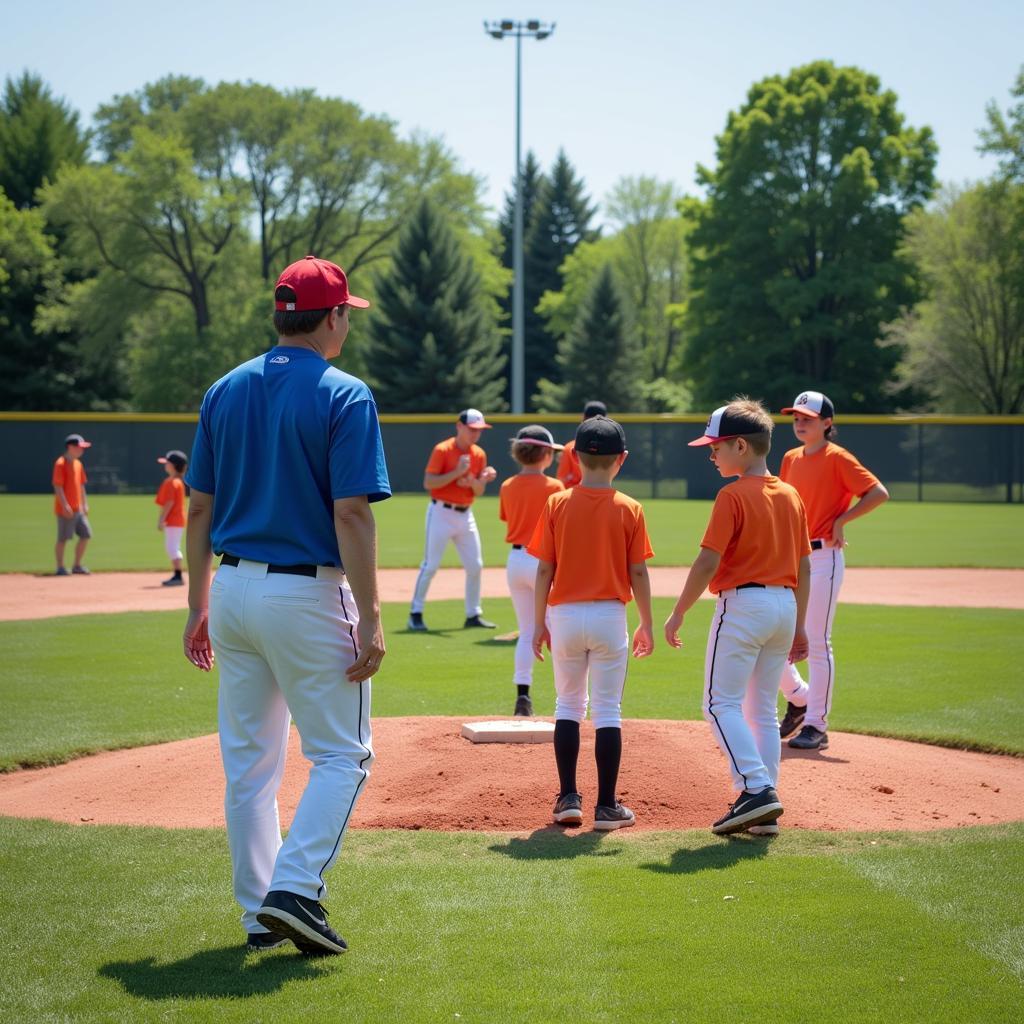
[{"x": 428, "y": 777}]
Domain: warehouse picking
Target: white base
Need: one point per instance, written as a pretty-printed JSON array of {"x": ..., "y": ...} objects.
[{"x": 509, "y": 730}]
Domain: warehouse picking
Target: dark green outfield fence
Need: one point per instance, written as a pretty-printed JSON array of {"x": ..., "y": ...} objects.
[{"x": 919, "y": 458}]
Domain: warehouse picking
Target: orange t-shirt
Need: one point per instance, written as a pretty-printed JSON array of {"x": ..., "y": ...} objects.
[
  {"x": 569, "y": 471},
  {"x": 172, "y": 489},
  {"x": 759, "y": 527},
  {"x": 521, "y": 501},
  {"x": 827, "y": 481},
  {"x": 69, "y": 474},
  {"x": 592, "y": 535},
  {"x": 443, "y": 459}
]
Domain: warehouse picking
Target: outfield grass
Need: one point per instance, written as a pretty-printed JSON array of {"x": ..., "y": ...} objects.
[
  {"x": 656, "y": 927},
  {"x": 900, "y": 534},
  {"x": 93, "y": 682}
]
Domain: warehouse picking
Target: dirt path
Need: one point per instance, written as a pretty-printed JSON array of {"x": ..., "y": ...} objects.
[
  {"x": 428, "y": 777},
  {"x": 41, "y": 597}
]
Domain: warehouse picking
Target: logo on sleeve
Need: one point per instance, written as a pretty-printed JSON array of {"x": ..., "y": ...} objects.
[{"x": 280, "y": 359}]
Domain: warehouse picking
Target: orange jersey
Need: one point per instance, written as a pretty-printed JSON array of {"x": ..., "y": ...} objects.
[
  {"x": 827, "y": 481},
  {"x": 443, "y": 459},
  {"x": 592, "y": 535},
  {"x": 69, "y": 474},
  {"x": 173, "y": 489},
  {"x": 521, "y": 501},
  {"x": 759, "y": 527},
  {"x": 569, "y": 471}
]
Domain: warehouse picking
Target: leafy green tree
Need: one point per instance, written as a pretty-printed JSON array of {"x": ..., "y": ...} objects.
[
  {"x": 598, "y": 356},
  {"x": 434, "y": 341},
  {"x": 38, "y": 135},
  {"x": 965, "y": 342},
  {"x": 561, "y": 220},
  {"x": 795, "y": 251},
  {"x": 1003, "y": 135}
]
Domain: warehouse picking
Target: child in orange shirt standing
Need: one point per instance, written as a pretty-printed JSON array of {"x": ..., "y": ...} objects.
[
  {"x": 569, "y": 471},
  {"x": 754, "y": 556},
  {"x": 520, "y": 503},
  {"x": 71, "y": 504},
  {"x": 827, "y": 478},
  {"x": 171, "y": 499},
  {"x": 592, "y": 545}
]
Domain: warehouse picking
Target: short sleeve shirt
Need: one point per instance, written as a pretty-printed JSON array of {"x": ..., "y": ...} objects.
[
  {"x": 69, "y": 474},
  {"x": 521, "y": 501},
  {"x": 569, "y": 471},
  {"x": 443, "y": 459},
  {"x": 172, "y": 489}
]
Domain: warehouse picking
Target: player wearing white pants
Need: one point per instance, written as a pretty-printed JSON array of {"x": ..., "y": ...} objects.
[
  {"x": 260, "y": 624},
  {"x": 172, "y": 542},
  {"x": 521, "y": 574},
  {"x": 444, "y": 526}
]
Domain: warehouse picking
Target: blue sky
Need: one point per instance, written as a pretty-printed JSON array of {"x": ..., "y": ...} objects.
[{"x": 637, "y": 88}]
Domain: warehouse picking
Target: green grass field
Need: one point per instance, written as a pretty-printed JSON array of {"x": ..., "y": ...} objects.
[{"x": 899, "y": 534}]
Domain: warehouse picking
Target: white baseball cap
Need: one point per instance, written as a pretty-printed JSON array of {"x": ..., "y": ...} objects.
[
  {"x": 813, "y": 403},
  {"x": 474, "y": 418}
]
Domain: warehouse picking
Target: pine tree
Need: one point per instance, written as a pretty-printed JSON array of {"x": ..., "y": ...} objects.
[
  {"x": 561, "y": 220},
  {"x": 435, "y": 346},
  {"x": 598, "y": 356}
]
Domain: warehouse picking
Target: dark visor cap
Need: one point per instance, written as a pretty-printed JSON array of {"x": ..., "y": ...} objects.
[{"x": 600, "y": 435}]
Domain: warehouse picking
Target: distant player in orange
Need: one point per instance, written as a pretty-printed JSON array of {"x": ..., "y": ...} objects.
[
  {"x": 71, "y": 504},
  {"x": 520, "y": 503},
  {"x": 827, "y": 478},
  {"x": 171, "y": 521},
  {"x": 569, "y": 471},
  {"x": 457, "y": 473}
]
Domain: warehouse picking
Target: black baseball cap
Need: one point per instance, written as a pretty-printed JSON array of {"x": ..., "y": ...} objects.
[
  {"x": 77, "y": 439},
  {"x": 594, "y": 409},
  {"x": 813, "y": 403},
  {"x": 600, "y": 435},
  {"x": 537, "y": 435},
  {"x": 179, "y": 460},
  {"x": 724, "y": 425}
]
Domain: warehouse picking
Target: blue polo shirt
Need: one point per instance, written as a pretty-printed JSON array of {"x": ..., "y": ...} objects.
[{"x": 279, "y": 439}]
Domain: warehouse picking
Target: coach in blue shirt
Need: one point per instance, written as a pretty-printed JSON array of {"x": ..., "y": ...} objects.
[{"x": 287, "y": 460}]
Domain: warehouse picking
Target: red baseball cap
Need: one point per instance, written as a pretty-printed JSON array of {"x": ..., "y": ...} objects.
[{"x": 318, "y": 284}]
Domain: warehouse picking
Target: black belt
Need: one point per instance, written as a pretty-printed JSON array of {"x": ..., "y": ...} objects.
[
  {"x": 817, "y": 545},
  {"x": 751, "y": 586},
  {"x": 517, "y": 547},
  {"x": 288, "y": 570},
  {"x": 445, "y": 504}
]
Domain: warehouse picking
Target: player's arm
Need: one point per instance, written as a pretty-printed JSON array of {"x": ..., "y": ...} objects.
[
  {"x": 803, "y": 591},
  {"x": 199, "y": 552},
  {"x": 878, "y": 495},
  {"x": 85, "y": 500},
  {"x": 643, "y": 637},
  {"x": 356, "y": 530},
  {"x": 58, "y": 490},
  {"x": 542, "y": 587},
  {"x": 165, "y": 511},
  {"x": 701, "y": 573}
]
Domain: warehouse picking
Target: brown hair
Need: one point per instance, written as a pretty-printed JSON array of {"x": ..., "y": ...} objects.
[
  {"x": 527, "y": 454},
  {"x": 592, "y": 461},
  {"x": 291, "y": 322},
  {"x": 757, "y": 415}
]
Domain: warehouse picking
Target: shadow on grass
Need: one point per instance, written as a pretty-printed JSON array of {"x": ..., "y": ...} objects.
[
  {"x": 554, "y": 843},
  {"x": 714, "y": 856},
  {"x": 211, "y": 974}
]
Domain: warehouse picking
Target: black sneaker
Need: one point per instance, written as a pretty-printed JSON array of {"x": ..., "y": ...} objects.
[
  {"x": 524, "y": 706},
  {"x": 810, "y": 739},
  {"x": 606, "y": 818},
  {"x": 174, "y": 581},
  {"x": 80, "y": 570},
  {"x": 256, "y": 942},
  {"x": 478, "y": 622},
  {"x": 302, "y": 920},
  {"x": 568, "y": 809},
  {"x": 749, "y": 809},
  {"x": 416, "y": 623},
  {"x": 793, "y": 720}
]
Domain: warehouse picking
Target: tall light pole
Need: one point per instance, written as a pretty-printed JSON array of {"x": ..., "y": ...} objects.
[{"x": 538, "y": 30}]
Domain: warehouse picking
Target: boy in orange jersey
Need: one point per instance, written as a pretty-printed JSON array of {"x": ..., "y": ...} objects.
[
  {"x": 520, "y": 503},
  {"x": 754, "y": 556},
  {"x": 71, "y": 504},
  {"x": 827, "y": 478},
  {"x": 569, "y": 471},
  {"x": 457, "y": 473},
  {"x": 592, "y": 545},
  {"x": 171, "y": 521}
]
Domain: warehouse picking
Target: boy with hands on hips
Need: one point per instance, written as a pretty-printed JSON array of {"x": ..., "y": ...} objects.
[{"x": 755, "y": 557}]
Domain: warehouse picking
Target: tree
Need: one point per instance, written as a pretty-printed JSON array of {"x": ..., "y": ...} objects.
[
  {"x": 532, "y": 180},
  {"x": 597, "y": 356},
  {"x": 434, "y": 342},
  {"x": 561, "y": 220},
  {"x": 1004, "y": 134},
  {"x": 38, "y": 135},
  {"x": 965, "y": 341},
  {"x": 795, "y": 251}
]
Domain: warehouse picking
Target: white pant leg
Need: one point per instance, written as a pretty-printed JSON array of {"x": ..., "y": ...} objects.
[
  {"x": 521, "y": 573},
  {"x": 607, "y": 637},
  {"x": 741, "y": 624},
  {"x": 439, "y": 528},
  {"x": 569, "y": 660},
  {"x": 253, "y": 724},
  {"x": 827, "y": 569},
  {"x": 172, "y": 541},
  {"x": 467, "y": 543}
]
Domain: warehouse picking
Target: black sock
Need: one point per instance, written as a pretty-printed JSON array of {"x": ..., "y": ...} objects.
[
  {"x": 608, "y": 754},
  {"x": 177, "y": 574},
  {"x": 567, "y": 752},
  {"x": 522, "y": 689}
]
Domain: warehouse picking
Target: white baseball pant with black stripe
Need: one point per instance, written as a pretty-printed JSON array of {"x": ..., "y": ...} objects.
[
  {"x": 827, "y": 568},
  {"x": 283, "y": 644},
  {"x": 444, "y": 525},
  {"x": 750, "y": 639}
]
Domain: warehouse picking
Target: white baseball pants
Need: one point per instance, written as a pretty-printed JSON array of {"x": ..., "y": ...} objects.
[
  {"x": 172, "y": 541},
  {"x": 444, "y": 525},
  {"x": 828, "y": 566},
  {"x": 748, "y": 644},
  {"x": 521, "y": 573},
  {"x": 589, "y": 641},
  {"x": 282, "y": 644}
]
